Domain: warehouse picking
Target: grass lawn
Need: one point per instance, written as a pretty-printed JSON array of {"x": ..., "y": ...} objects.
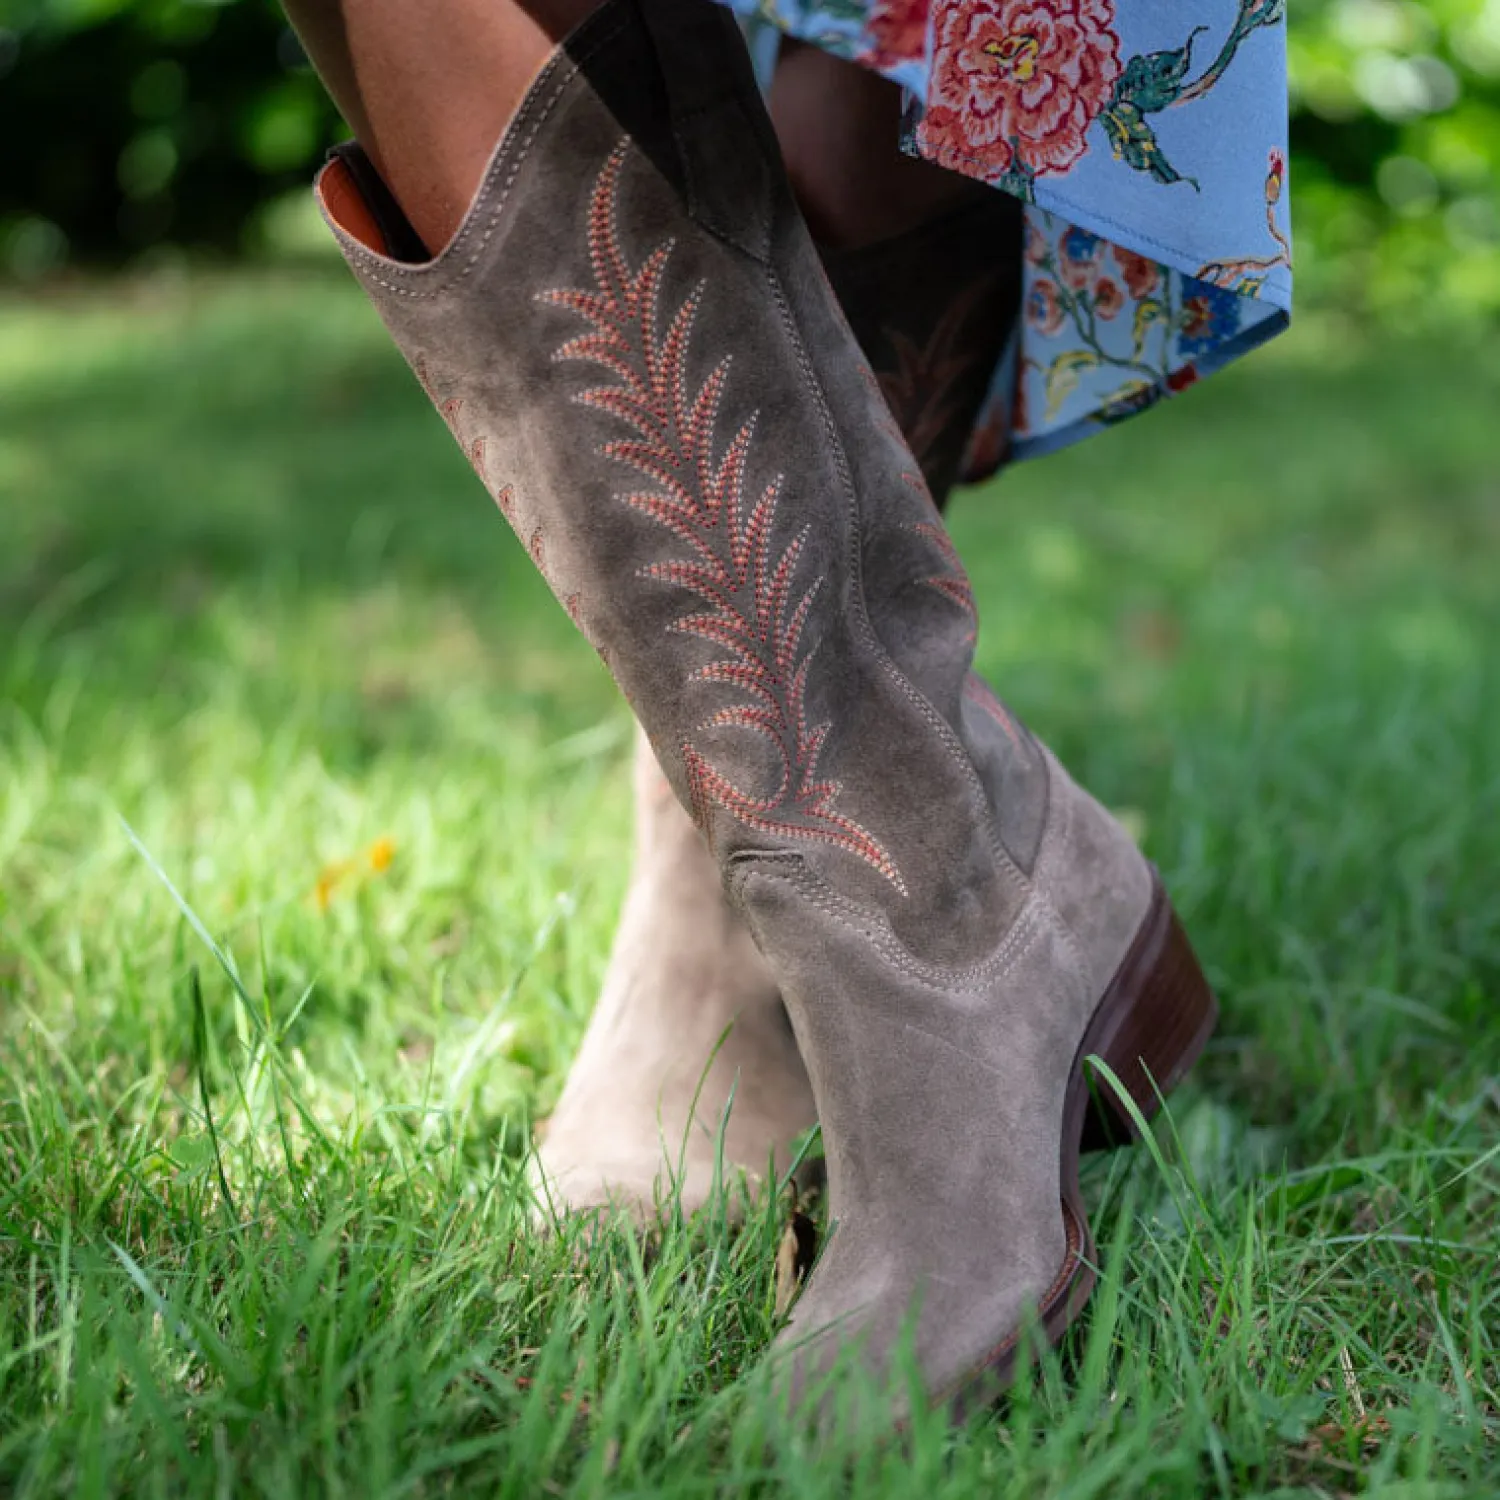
[{"x": 262, "y": 1228}]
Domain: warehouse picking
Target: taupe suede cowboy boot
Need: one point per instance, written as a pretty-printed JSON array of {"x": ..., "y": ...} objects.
[
  {"x": 689, "y": 1032},
  {"x": 633, "y": 339},
  {"x": 690, "y": 1018}
]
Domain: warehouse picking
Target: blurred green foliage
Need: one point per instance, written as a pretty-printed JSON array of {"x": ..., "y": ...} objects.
[
  {"x": 154, "y": 124},
  {"x": 1396, "y": 155},
  {"x": 148, "y": 123}
]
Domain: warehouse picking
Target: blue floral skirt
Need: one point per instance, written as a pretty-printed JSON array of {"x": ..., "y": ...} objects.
[{"x": 1149, "y": 145}]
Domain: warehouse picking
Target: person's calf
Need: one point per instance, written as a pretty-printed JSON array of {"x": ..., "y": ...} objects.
[
  {"x": 838, "y": 125},
  {"x": 429, "y": 88}
]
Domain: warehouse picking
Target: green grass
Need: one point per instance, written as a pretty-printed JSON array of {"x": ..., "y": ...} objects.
[{"x": 267, "y": 1235}]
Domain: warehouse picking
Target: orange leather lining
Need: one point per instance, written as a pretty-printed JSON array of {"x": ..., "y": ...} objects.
[{"x": 346, "y": 207}]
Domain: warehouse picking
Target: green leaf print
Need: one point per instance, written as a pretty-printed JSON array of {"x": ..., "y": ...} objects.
[
  {"x": 1134, "y": 142},
  {"x": 844, "y": 10},
  {"x": 1151, "y": 310},
  {"x": 1018, "y": 178},
  {"x": 1153, "y": 80},
  {"x": 1132, "y": 397},
  {"x": 1063, "y": 375},
  {"x": 1252, "y": 15}
]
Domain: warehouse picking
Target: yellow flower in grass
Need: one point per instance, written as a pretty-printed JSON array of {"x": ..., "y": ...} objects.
[{"x": 376, "y": 860}]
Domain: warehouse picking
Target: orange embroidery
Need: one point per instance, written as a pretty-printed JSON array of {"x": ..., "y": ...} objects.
[{"x": 753, "y": 610}]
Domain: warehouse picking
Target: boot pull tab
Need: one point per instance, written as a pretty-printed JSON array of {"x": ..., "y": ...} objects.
[{"x": 729, "y": 155}]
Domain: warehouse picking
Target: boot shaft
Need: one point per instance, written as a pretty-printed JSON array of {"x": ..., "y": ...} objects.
[
  {"x": 634, "y": 341},
  {"x": 933, "y": 310}
]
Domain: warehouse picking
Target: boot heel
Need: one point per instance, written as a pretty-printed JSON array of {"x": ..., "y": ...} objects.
[{"x": 1152, "y": 1024}]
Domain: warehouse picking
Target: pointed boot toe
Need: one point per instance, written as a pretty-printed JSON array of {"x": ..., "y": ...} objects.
[{"x": 954, "y": 1114}]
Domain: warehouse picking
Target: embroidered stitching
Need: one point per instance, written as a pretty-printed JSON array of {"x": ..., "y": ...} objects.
[
  {"x": 753, "y": 610},
  {"x": 1034, "y": 918},
  {"x": 1038, "y": 916},
  {"x": 953, "y": 585},
  {"x": 476, "y": 450},
  {"x": 976, "y": 690},
  {"x": 922, "y": 390},
  {"x": 1006, "y": 866}
]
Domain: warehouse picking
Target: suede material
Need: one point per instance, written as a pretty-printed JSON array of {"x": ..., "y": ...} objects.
[
  {"x": 634, "y": 340},
  {"x": 920, "y": 604},
  {"x": 791, "y": 367},
  {"x": 684, "y": 968},
  {"x": 640, "y": 1113},
  {"x": 1094, "y": 876},
  {"x": 932, "y": 310},
  {"x": 941, "y": 1095}
]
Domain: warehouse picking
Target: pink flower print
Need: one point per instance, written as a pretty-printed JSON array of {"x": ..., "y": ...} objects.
[
  {"x": 1036, "y": 244},
  {"x": 897, "y": 32},
  {"x": 1044, "y": 308},
  {"x": 1108, "y": 298},
  {"x": 1141, "y": 275},
  {"x": 1016, "y": 84}
]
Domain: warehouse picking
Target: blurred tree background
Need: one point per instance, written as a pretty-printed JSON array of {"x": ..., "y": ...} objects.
[{"x": 150, "y": 128}]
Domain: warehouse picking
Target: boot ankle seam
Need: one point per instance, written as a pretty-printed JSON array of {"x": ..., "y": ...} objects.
[{"x": 939, "y": 978}]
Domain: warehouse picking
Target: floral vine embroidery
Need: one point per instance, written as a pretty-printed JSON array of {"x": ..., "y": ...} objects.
[
  {"x": 477, "y": 451},
  {"x": 954, "y": 584},
  {"x": 750, "y": 605}
]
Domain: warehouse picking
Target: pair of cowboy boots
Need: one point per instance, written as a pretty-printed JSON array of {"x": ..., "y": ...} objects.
[{"x": 635, "y": 341}]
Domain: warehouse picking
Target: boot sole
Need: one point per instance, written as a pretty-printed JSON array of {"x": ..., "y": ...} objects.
[{"x": 1150, "y": 1027}]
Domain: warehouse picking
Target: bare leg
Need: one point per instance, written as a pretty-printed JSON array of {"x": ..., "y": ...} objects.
[
  {"x": 429, "y": 88},
  {"x": 837, "y": 123}
]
